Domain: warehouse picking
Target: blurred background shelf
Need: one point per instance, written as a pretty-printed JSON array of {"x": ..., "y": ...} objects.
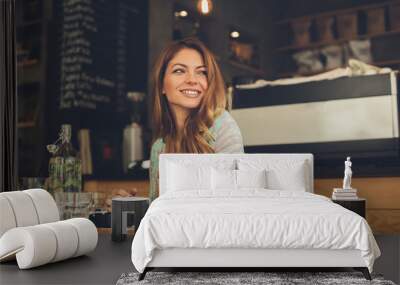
[
  {"x": 336, "y": 12},
  {"x": 335, "y": 42},
  {"x": 369, "y": 32}
]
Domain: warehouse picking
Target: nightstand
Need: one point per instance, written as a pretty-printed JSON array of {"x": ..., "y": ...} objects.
[{"x": 357, "y": 205}]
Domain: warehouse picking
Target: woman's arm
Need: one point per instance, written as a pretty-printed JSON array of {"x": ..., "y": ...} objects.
[
  {"x": 153, "y": 171},
  {"x": 228, "y": 138},
  {"x": 153, "y": 191}
]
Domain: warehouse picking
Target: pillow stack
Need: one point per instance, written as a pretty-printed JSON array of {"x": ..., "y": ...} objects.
[
  {"x": 186, "y": 175},
  {"x": 239, "y": 174},
  {"x": 237, "y": 179},
  {"x": 281, "y": 174}
]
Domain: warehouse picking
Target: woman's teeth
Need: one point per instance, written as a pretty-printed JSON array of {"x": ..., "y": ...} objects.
[{"x": 191, "y": 93}]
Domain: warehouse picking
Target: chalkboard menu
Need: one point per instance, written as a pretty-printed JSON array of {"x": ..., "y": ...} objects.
[
  {"x": 99, "y": 46},
  {"x": 98, "y": 51}
]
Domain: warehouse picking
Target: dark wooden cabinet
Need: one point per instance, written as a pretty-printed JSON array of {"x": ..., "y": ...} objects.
[{"x": 357, "y": 206}]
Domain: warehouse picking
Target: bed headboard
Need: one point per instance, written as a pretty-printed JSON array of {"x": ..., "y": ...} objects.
[{"x": 209, "y": 159}]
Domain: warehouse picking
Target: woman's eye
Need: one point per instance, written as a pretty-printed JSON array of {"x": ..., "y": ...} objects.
[
  {"x": 203, "y": 72},
  {"x": 179, "y": 70}
]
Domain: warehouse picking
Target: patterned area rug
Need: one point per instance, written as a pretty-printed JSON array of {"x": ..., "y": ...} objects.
[{"x": 230, "y": 278}]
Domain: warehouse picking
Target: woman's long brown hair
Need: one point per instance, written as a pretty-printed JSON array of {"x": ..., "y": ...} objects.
[{"x": 195, "y": 136}]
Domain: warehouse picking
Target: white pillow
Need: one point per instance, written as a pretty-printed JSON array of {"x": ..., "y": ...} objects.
[
  {"x": 251, "y": 178},
  {"x": 293, "y": 179},
  {"x": 181, "y": 177},
  {"x": 281, "y": 174},
  {"x": 223, "y": 179}
]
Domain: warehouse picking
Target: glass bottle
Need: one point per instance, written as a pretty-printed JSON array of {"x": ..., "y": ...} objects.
[
  {"x": 56, "y": 179},
  {"x": 65, "y": 167},
  {"x": 72, "y": 169}
]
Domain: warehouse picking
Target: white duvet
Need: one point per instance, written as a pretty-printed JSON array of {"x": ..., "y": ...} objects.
[{"x": 251, "y": 218}]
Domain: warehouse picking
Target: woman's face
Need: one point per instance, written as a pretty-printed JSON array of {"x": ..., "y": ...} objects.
[{"x": 185, "y": 80}]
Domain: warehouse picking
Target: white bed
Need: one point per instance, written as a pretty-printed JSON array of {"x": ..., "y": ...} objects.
[{"x": 197, "y": 224}]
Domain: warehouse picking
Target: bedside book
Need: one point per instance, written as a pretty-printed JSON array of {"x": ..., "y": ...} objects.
[
  {"x": 341, "y": 190},
  {"x": 344, "y": 194},
  {"x": 334, "y": 197}
]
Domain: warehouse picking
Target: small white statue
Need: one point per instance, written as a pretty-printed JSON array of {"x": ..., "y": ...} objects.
[{"x": 347, "y": 174}]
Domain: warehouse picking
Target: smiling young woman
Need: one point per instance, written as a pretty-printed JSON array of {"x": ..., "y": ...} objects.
[{"x": 189, "y": 113}]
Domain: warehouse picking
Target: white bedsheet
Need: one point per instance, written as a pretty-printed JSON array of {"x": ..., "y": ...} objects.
[{"x": 251, "y": 218}]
